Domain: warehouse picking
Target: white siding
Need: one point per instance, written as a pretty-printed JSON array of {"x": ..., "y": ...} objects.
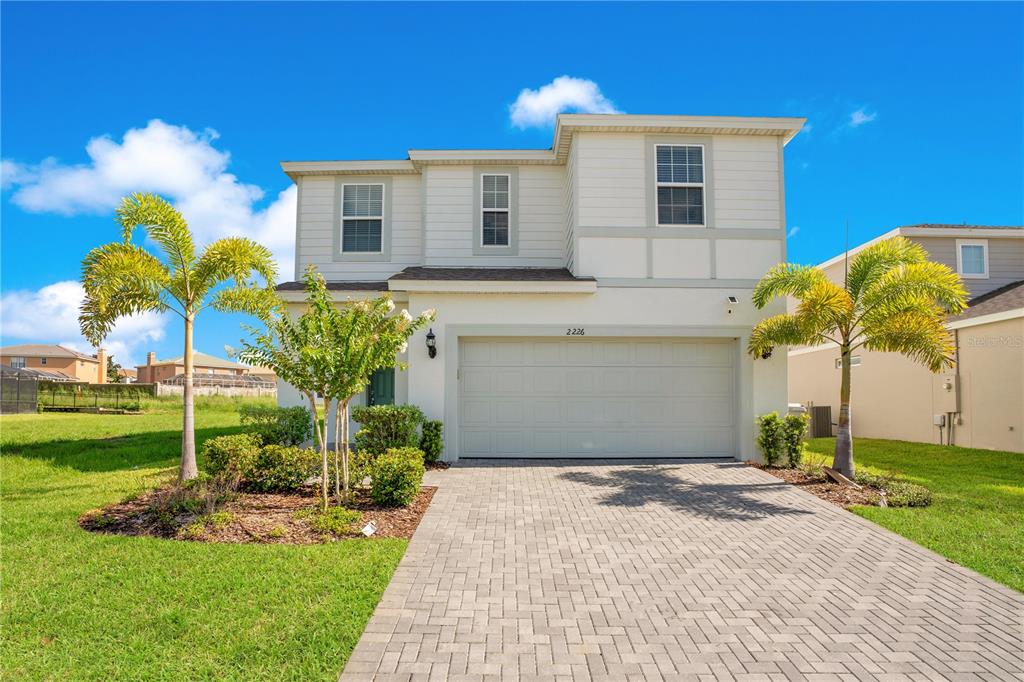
[
  {"x": 745, "y": 183},
  {"x": 449, "y": 218},
  {"x": 610, "y": 171},
  {"x": 317, "y": 197},
  {"x": 569, "y": 198}
]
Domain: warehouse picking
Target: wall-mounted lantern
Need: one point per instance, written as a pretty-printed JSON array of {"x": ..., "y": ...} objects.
[
  {"x": 431, "y": 343},
  {"x": 767, "y": 354}
]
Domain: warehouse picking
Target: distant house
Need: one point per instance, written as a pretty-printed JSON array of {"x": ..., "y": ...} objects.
[
  {"x": 980, "y": 402},
  {"x": 66, "y": 364},
  {"x": 158, "y": 371},
  {"x": 128, "y": 376}
]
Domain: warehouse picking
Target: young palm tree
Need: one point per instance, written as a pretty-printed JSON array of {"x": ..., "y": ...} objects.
[
  {"x": 124, "y": 279},
  {"x": 894, "y": 299}
]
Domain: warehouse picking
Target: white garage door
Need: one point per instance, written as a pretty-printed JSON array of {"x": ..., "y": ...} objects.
[{"x": 597, "y": 397}]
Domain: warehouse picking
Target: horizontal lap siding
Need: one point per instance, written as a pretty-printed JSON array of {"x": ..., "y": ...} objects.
[
  {"x": 745, "y": 185},
  {"x": 610, "y": 185},
  {"x": 1005, "y": 261},
  {"x": 316, "y": 229}
]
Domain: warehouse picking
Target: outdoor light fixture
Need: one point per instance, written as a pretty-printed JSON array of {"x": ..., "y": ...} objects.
[
  {"x": 767, "y": 354},
  {"x": 431, "y": 343},
  {"x": 730, "y": 301}
]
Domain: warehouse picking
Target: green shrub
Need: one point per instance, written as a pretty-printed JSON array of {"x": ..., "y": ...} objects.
[
  {"x": 277, "y": 425},
  {"x": 396, "y": 476},
  {"x": 383, "y": 427},
  {"x": 432, "y": 440},
  {"x": 769, "y": 438},
  {"x": 898, "y": 492},
  {"x": 335, "y": 520},
  {"x": 280, "y": 468},
  {"x": 794, "y": 428},
  {"x": 231, "y": 455}
]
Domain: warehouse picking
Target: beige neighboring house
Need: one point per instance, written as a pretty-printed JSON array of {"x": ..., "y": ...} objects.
[
  {"x": 980, "y": 402},
  {"x": 56, "y": 359},
  {"x": 157, "y": 371}
]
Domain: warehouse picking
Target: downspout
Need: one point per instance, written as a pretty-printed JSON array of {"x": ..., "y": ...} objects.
[{"x": 956, "y": 369}]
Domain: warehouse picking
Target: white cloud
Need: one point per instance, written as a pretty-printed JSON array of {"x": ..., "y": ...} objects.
[
  {"x": 862, "y": 116},
  {"x": 793, "y": 231},
  {"x": 174, "y": 161},
  {"x": 539, "y": 107},
  {"x": 52, "y": 313}
]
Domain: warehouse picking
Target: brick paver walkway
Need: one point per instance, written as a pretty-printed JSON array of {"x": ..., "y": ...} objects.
[{"x": 619, "y": 570}]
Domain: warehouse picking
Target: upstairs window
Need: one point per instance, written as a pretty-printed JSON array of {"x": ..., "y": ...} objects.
[
  {"x": 680, "y": 184},
  {"x": 494, "y": 206},
  {"x": 972, "y": 258},
  {"x": 362, "y": 218}
]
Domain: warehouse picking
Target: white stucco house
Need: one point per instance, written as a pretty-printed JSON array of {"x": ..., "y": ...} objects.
[{"x": 593, "y": 298}]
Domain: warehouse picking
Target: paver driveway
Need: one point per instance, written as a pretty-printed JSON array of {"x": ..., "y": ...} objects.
[{"x": 616, "y": 570}]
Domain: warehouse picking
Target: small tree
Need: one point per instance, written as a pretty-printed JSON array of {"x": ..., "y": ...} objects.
[
  {"x": 328, "y": 353},
  {"x": 113, "y": 371},
  {"x": 893, "y": 299},
  {"x": 122, "y": 279}
]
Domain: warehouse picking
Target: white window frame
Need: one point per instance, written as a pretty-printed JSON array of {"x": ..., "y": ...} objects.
[
  {"x": 507, "y": 211},
  {"x": 854, "y": 362},
  {"x": 383, "y": 191},
  {"x": 701, "y": 185},
  {"x": 18, "y": 362},
  {"x": 42, "y": 361},
  {"x": 960, "y": 243}
]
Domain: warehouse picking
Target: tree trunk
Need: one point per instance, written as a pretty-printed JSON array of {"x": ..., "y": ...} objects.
[
  {"x": 337, "y": 448},
  {"x": 344, "y": 446},
  {"x": 324, "y": 474},
  {"x": 188, "y": 470},
  {"x": 843, "y": 459},
  {"x": 320, "y": 431}
]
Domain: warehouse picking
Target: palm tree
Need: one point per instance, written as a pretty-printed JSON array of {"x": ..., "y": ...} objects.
[
  {"x": 893, "y": 299},
  {"x": 124, "y": 279}
]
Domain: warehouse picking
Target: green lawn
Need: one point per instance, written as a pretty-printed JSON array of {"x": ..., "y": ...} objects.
[
  {"x": 977, "y": 517},
  {"x": 76, "y": 605}
]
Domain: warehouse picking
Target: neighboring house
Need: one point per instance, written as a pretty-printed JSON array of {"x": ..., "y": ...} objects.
[
  {"x": 128, "y": 376},
  {"x": 158, "y": 371},
  {"x": 593, "y": 298},
  {"x": 980, "y": 402},
  {"x": 56, "y": 359}
]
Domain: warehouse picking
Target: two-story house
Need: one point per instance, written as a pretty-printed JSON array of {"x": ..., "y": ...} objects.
[
  {"x": 979, "y": 402},
  {"x": 593, "y": 298}
]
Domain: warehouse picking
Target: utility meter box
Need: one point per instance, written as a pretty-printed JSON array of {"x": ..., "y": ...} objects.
[{"x": 947, "y": 393}]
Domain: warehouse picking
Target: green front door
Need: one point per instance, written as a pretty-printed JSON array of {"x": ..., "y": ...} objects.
[{"x": 381, "y": 390}]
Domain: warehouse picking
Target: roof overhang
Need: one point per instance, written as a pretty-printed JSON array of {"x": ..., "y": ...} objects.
[
  {"x": 565, "y": 127},
  {"x": 343, "y": 296},
  {"x": 489, "y": 287},
  {"x": 965, "y": 232}
]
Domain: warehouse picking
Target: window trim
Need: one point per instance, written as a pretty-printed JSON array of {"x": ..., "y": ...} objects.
[
  {"x": 338, "y": 226},
  {"x": 512, "y": 248},
  {"x": 651, "y": 143},
  {"x": 983, "y": 243},
  {"x": 19, "y": 362},
  {"x": 507, "y": 210},
  {"x": 854, "y": 362},
  {"x": 383, "y": 191},
  {"x": 701, "y": 185}
]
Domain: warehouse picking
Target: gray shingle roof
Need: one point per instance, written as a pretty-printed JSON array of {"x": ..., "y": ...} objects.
[
  {"x": 1009, "y": 297},
  {"x": 490, "y": 274}
]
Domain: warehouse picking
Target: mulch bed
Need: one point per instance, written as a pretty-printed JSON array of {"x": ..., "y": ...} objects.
[
  {"x": 265, "y": 518},
  {"x": 818, "y": 484}
]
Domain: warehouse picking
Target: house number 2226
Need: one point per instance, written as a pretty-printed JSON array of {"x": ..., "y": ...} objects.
[{"x": 575, "y": 331}]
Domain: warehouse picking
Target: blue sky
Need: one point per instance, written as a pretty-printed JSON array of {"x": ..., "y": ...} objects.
[{"x": 915, "y": 113}]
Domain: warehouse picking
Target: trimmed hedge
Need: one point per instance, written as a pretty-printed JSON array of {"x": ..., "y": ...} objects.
[
  {"x": 432, "y": 440},
  {"x": 396, "y": 477},
  {"x": 383, "y": 427},
  {"x": 278, "y": 425}
]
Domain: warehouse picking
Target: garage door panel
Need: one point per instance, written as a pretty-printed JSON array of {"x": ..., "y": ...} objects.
[{"x": 597, "y": 397}]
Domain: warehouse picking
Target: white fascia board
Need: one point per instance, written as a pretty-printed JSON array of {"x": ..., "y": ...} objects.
[
  {"x": 342, "y": 296},
  {"x": 370, "y": 167},
  {"x": 987, "y": 319},
  {"x": 813, "y": 349},
  {"x": 964, "y": 232},
  {"x": 470, "y": 287},
  {"x": 469, "y": 156}
]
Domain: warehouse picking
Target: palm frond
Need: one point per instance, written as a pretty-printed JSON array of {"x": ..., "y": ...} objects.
[
  {"x": 826, "y": 305},
  {"x": 874, "y": 261},
  {"x": 786, "y": 279},
  {"x": 119, "y": 279},
  {"x": 914, "y": 282},
  {"x": 783, "y": 330},
  {"x": 163, "y": 224},
  {"x": 234, "y": 258},
  {"x": 922, "y": 338},
  {"x": 259, "y": 302}
]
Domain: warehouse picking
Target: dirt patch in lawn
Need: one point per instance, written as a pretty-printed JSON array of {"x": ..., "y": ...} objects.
[
  {"x": 266, "y": 518},
  {"x": 816, "y": 483}
]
